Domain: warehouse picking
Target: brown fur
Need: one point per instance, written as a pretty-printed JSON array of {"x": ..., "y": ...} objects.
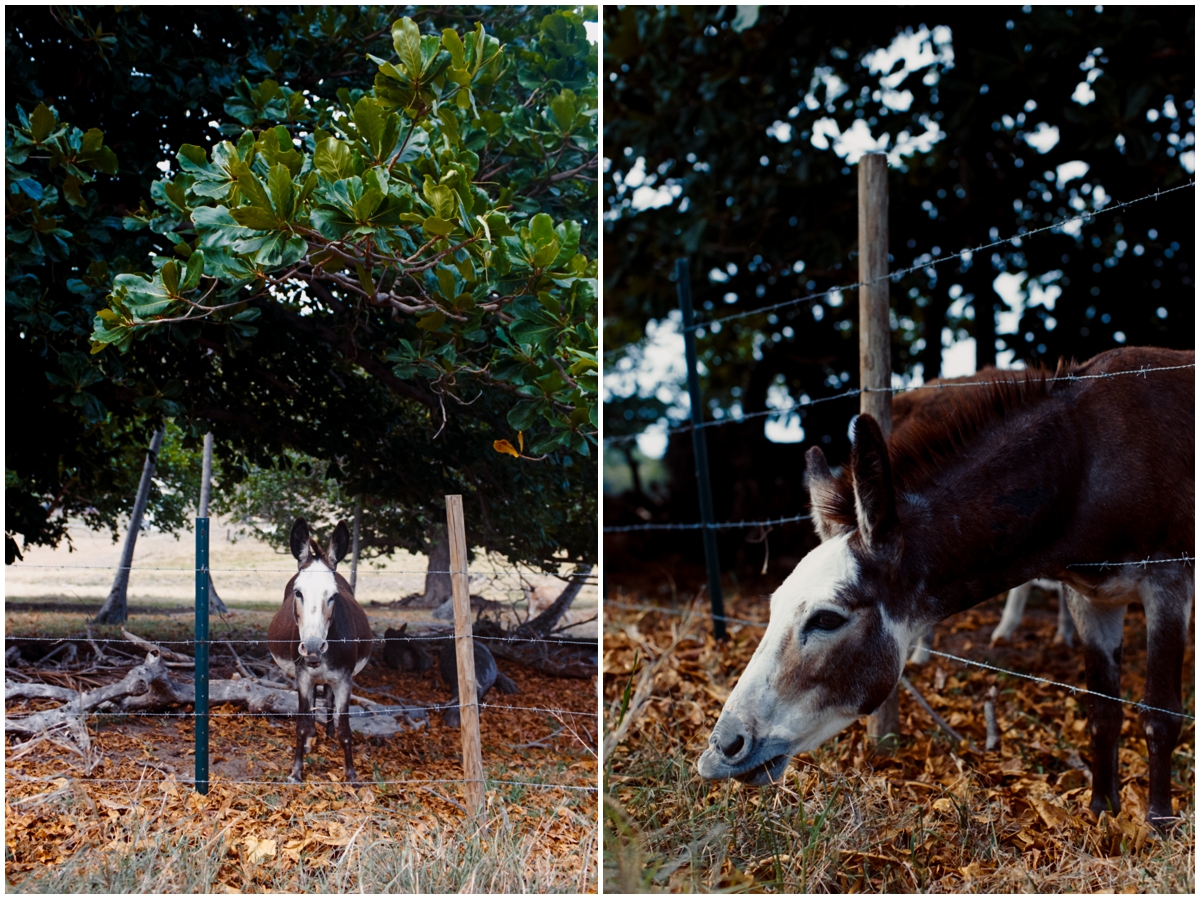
[{"x": 1028, "y": 477}]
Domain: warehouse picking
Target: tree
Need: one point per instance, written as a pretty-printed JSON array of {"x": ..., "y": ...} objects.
[
  {"x": 307, "y": 363},
  {"x": 733, "y": 126}
]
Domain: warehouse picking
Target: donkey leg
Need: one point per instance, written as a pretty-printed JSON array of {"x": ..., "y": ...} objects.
[
  {"x": 920, "y": 649},
  {"x": 1014, "y": 611},
  {"x": 305, "y": 723},
  {"x": 341, "y": 720},
  {"x": 1101, "y": 630},
  {"x": 1168, "y": 612},
  {"x": 1064, "y": 633}
]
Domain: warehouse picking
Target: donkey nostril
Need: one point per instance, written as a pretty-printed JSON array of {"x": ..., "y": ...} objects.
[{"x": 735, "y": 747}]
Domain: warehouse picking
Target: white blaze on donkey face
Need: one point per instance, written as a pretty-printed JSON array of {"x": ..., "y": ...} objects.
[
  {"x": 314, "y": 592},
  {"x": 827, "y": 653}
]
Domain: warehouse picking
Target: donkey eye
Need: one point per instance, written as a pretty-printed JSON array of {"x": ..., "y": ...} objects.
[
  {"x": 825, "y": 620},
  {"x": 299, "y": 595}
]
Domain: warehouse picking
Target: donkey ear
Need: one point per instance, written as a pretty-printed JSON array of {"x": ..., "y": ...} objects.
[
  {"x": 340, "y": 543},
  {"x": 874, "y": 494},
  {"x": 823, "y": 494},
  {"x": 299, "y": 540}
]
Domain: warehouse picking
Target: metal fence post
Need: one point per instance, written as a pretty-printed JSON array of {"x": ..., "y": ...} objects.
[
  {"x": 202, "y": 581},
  {"x": 875, "y": 354},
  {"x": 700, "y": 446},
  {"x": 468, "y": 692}
]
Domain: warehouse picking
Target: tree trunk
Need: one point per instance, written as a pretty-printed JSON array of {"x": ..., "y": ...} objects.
[
  {"x": 214, "y": 601},
  {"x": 357, "y": 544},
  {"x": 114, "y": 610},
  {"x": 437, "y": 578},
  {"x": 544, "y": 623}
]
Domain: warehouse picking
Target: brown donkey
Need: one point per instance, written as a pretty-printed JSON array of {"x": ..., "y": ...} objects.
[
  {"x": 320, "y": 636},
  {"x": 1078, "y": 478}
]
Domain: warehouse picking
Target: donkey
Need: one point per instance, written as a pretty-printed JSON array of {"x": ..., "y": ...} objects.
[
  {"x": 1032, "y": 477},
  {"x": 320, "y": 636}
]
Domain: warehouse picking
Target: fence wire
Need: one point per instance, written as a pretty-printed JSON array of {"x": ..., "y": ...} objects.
[
  {"x": 1032, "y": 677},
  {"x": 961, "y": 255},
  {"x": 857, "y": 391},
  {"x": 216, "y": 781}
]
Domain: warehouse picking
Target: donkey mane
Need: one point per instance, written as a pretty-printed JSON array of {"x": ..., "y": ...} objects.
[{"x": 933, "y": 430}]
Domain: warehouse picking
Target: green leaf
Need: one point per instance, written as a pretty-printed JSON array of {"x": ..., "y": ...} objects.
[
  {"x": 563, "y": 109},
  {"x": 525, "y": 414},
  {"x": 439, "y": 226},
  {"x": 41, "y": 123},
  {"x": 364, "y": 279},
  {"x": 253, "y": 217},
  {"x": 333, "y": 159},
  {"x": 249, "y": 185},
  {"x": 170, "y": 277},
  {"x": 195, "y": 268},
  {"x": 279, "y": 185},
  {"x": 432, "y": 321},
  {"x": 446, "y": 283},
  {"x": 453, "y": 43},
  {"x": 541, "y": 229},
  {"x": 406, "y": 38},
  {"x": 144, "y": 299},
  {"x": 369, "y": 120},
  {"x": 441, "y": 198}
]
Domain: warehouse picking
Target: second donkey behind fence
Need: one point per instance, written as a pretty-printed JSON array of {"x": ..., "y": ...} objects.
[
  {"x": 320, "y": 636},
  {"x": 412, "y": 654}
]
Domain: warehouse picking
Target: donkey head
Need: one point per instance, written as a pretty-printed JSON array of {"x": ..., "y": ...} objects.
[
  {"x": 315, "y": 588},
  {"x": 831, "y": 652}
]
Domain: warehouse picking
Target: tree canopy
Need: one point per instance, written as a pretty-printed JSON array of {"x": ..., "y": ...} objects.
[
  {"x": 373, "y": 243},
  {"x": 730, "y": 139}
]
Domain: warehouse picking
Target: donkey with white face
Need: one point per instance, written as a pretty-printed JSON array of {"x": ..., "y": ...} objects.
[
  {"x": 1079, "y": 478},
  {"x": 320, "y": 636}
]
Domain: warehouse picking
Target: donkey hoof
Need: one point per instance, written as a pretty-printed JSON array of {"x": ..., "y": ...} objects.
[
  {"x": 1162, "y": 824},
  {"x": 295, "y": 778}
]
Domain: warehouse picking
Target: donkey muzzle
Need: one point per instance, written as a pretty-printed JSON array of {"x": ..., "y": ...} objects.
[{"x": 311, "y": 651}]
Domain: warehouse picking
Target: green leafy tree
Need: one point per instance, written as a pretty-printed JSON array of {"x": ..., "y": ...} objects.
[{"x": 388, "y": 274}]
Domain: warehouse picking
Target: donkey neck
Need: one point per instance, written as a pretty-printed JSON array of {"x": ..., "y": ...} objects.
[{"x": 997, "y": 513}]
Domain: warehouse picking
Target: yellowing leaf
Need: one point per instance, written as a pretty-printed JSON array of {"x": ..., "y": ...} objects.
[
  {"x": 503, "y": 446},
  {"x": 257, "y": 850}
]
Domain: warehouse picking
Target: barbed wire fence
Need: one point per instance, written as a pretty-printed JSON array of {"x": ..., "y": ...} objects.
[
  {"x": 697, "y": 425},
  {"x": 202, "y": 643}
]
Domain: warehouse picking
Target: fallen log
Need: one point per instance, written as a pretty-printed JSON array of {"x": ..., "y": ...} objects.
[{"x": 150, "y": 688}]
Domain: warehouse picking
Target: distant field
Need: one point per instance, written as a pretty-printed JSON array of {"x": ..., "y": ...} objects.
[{"x": 248, "y": 574}]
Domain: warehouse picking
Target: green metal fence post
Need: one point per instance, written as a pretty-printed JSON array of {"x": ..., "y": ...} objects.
[
  {"x": 202, "y": 581},
  {"x": 700, "y": 446}
]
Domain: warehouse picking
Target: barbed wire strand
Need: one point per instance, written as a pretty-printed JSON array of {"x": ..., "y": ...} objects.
[
  {"x": 1041, "y": 680},
  {"x": 361, "y": 571},
  {"x": 899, "y": 273},
  {"x": 218, "y": 782},
  {"x": 715, "y": 526},
  {"x": 856, "y": 391},
  {"x": 1070, "y": 687},
  {"x": 390, "y": 711},
  {"x": 217, "y": 641},
  {"x": 915, "y": 267}
]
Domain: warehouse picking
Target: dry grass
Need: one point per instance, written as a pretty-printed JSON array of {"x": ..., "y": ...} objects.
[
  {"x": 67, "y": 832},
  {"x": 933, "y": 818}
]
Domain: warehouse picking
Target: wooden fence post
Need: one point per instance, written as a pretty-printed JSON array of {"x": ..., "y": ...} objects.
[
  {"x": 468, "y": 695},
  {"x": 875, "y": 355}
]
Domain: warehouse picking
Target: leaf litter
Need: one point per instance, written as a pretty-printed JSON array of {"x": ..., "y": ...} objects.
[
  {"x": 286, "y": 837},
  {"x": 933, "y": 816}
]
